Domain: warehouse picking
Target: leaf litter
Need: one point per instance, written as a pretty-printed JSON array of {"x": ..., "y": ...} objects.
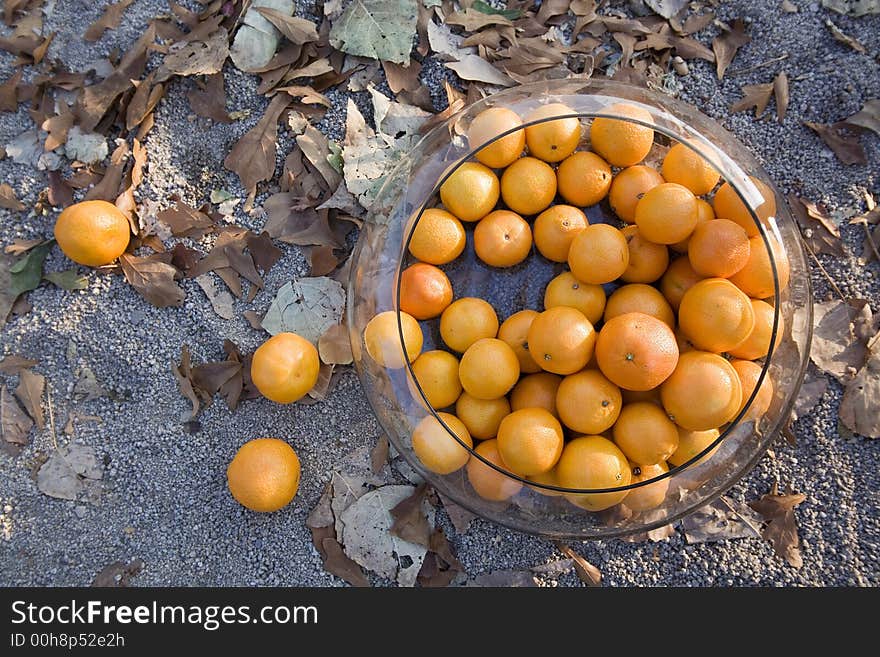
[{"x": 780, "y": 529}]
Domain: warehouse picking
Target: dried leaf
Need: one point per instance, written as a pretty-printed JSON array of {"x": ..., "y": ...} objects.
[
  {"x": 210, "y": 378},
  {"x": 8, "y": 199},
  {"x": 109, "y": 20},
  {"x": 726, "y": 44},
  {"x": 402, "y": 78},
  {"x": 322, "y": 260},
  {"x": 472, "y": 20},
  {"x": 781, "y": 529},
  {"x": 184, "y": 258},
  {"x": 186, "y": 221},
  {"x": 334, "y": 346},
  {"x": 118, "y": 574},
  {"x": 15, "y": 425},
  {"x": 861, "y": 399},
  {"x": 303, "y": 228},
  {"x": 853, "y": 7},
  {"x": 780, "y": 92},
  {"x": 460, "y": 517},
  {"x": 868, "y": 117},
  {"x": 842, "y": 37},
  {"x": 315, "y": 147},
  {"x": 587, "y": 572},
  {"x": 69, "y": 279},
  {"x": 840, "y": 138},
  {"x": 836, "y": 348},
  {"x": 410, "y": 523},
  {"x": 337, "y": 563},
  {"x": 257, "y": 39},
  {"x": 27, "y": 148},
  {"x": 210, "y": 101},
  {"x": 20, "y": 276},
  {"x": 196, "y": 57},
  {"x": 721, "y": 520},
  {"x": 60, "y": 192},
  {"x": 13, "y": 364},
  {"x": 379, "y": 454},
  {"x": 30, "y": 394},
  {"x": 65, "y": 472},
  {"x": 477, "y": 69},
  {"x": 754, "y": 95},
  {"x": 667, "y": 8},
  {"x": 153, "y": 279},
  {"x": 253, "y": 156},
  {"x": 87, "y": 387},
  {"x": 88, "y": 147},
  {"x": 307, "y": 307},
  {"x": 9, "y": 92},
  {"x": 296, "y": 30},
  {"x": 109, "y": 187},
  {"x": 819, "y": 231},
  {"x": 182, "y": 374},
  {"x": 220, "y": 298},
  {"x": 810, "y": 394},
  {"x": 263, "y": 251},
  {"x": 378, "y": 29}
]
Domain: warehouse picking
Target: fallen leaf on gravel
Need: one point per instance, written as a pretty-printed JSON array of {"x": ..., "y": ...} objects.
[
  {"x": 109, "y": 20},
  {"x": 472, "y": 20},
  {"x": 307, "y": 307},
  {"x": 15, "y": 425},
  {"x": 196, "y": 57},
  {"x": 402, "y": 77},
  {"x": 87, "y": 387},
  {"x": 257, "y": 39},
  {"x": 60, "y": 192},
  {"x": 440, "y": 566},
  {"x": 20, "y": 276},
  {"x": 322, "y": 386},
  {"x": 504, "y": 579},
  {"x": 13, "y": 364},
  {"x": 220, "y": 298},
  {"x": 108, "y": 188},
  {"x": 296, "y": 30},
  {"x": 322, "y": 260},
  {"x": 475, "y": 68},
  {"x": 315, "y": 147},
  {"x": 780, "y": 92},
  {"x": 264, "y": 253},
  {"x": 460, "y": 517},
  {"x": 22, "y": 246},
  {"x": 64, "y": 473},
  {"x": 58, "y": 129},
  {"x": 840, "y": 138},
  {"x": 337, "y": 563},
  {"x": 861, "y": 398},
  {"x": 410, "y": 523},
  {"x": 667, "y": 8},
  {"x": 727, "y": 43},
  {"x": 153, "y": 279},
  {"x": 781, "y": 529},
  {"x": 721, "y": 520},
  {"x": 253, "y": 156},
  {"x": 8, "y": 199},
  {"x": 75, "y": 417},
  {"x": 30, "y": 394},
  {"x": 587, "y": 572},
  {"x": 211, "y": 377},
  {"x": 754, "y": 95},
  {"x": 811, "y": 392},
  {"x": 184, "y": 258},
  {"x": 118, "y": 574},
  {"x": 27, "y": 148},
  {"x": 378, "y": 29},
  {"x": 379, "y": 454},
  {"x": 186, "y": 221},
  {"x": 817, "y": 228},
  {"x": 302, "y": 227},
  {"x": 844, "y": 38},
  {"x": 868, "y": 117},
  {"x": 334, "y": 345},
  {"x": 853, "y": 7},
  {"x": 210, "y": 101},
  {"x": 836, "y": 347},
  {"x": 182, "y": 374},
  {"x": 395, "y": 121},
  {"x": 9, "y": 92},
  {"x": 69, "y": 279}
]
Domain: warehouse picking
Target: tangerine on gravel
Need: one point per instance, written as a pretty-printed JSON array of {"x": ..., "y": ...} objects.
[
  {"x": 704, "y": 213},
  {"x": 678, "y": 279},
  {"x": 756, "y": 278},
  {"x": 536, "y": 391},
  {"x": 528, "y": 186},
  {"x": 649, "y": 496},
  {"x": 583, "y": 178},
  {"x": 548, "y": 478},
  {"x": 757, "y": 345},
  {"x": 554, "y": 230},
  {"x": 425, "y": 291},
  {"x": 686, "y": 167},
  {"x": 636, "y": 351},
  {"x": 622, "y": 143},
  {"x": 487, "y": 482},
  {"x": 471, "y": 192},
  {"x": 703, "y": 392},
  {"x": 715, "y": 315},
  {"x": 645, "y": 434},
  {"x": 285, "y": 367},
  {"x": 639, "y": 298},
  {"x": 467, "y": 320},
  {"x": 628, "y": 187},
  {"x": 92, "y": 233},
  {"x": 552, "y": 141},
  {"x": 514, "y": 331},
  {"x": 502, "y": 239},
  {"x": 588, "y": 402},
  {"x": 530, "y": 441},
  {"x": 437, "y": 450},
  {"x": 438, "y": 237},
  {"x": 667, "y": 213},
  {"x": 566, "y": 290},
  {"x": 647, "y": 260},
  {"x": 264, "y": 474},
  {"x": 481, "y": 416},
  {"x": 728, "y": 205},
  {"x": 593, "y": 462},
  {"x": 382, "y": 339},
  {"x": 437, "y": 374},
  {"x": 691, "y": 443},
  {"x": 718, "y": 248},
  {"x": 488, "y": 369},
  {"x": 748, "y": 373},
  {"x": 561, "y": 340},
  {"x": 487, "y": 125},
  {"x": 599, "y": 254}
]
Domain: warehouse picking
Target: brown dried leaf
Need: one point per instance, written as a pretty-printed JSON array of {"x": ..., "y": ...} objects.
[
  {"x": 117, "y": 574},
  {"x": 186, "y": 221},
  {"x": 210, "y": 101},
  {"x": 337, "y": 563},
  {"x": 108, "y": 189},
  {"x": 841, "y": 139},
  {"x": 472, "y": 20},
  {"x": 300, "y": 227},
  {"x": 109, "y": 20},
  {"x": 209, "y": 378},
  {"x": 23, "y": 246},
  {"x": 196, "y": 56},
  {"x": 460, "y": 517},
  {"x": 322, "y": 260},
  {"x": 13, "y": 364},
  {"x": 402, "y": 78},
  {"x": 8, "y": 199},
  {"x": 182, "y": 373},
  {"x": 868, "y": 117},
  {"x": 253, "y": 156},
  {"x": 143, "y": 102},
  {"x": 379, "y": 454},
  {"x": 263, "y": 251},
  {"x": 837, "y": 347},
  {"x": 184, "y": 258},
  {"x": 30, "y": 394},
  {"x": 334, "y": 346},
  {"x": 410, "y": 522},
  {"x": 153, "y": 279},
  {"x": 316, "y": 148},
  {"x": 817, "y": 228},
  {"x": 754, "y": 95},
  {"x": 9, "y": 91},
  {"x": 861, "y": 399},
  {"x": 296, "y": 30},
  {"x": 322, "y": 387},
  {"x": 587, "y": 572},
  {"x": 842, "y": 37},
  {"x": 726, "y": 44},
  {"x": 15, "y": 425},
  {"x": 781, "y": 528},
  {"x": 780, "y": 92},
  {"x": 60, "y": 193},
  {"x": 58, "y": 128}
]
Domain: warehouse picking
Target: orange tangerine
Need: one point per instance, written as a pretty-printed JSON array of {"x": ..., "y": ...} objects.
[
  {"x": 528, "y": 186},
  {"x": 437, "y": 450},
  {"x": 639, "y": 298},
  {"x": 599, "y": 254},
  {"x": 593, "y": 462},
  {"x": 678, "y": 279},
  {"x": 566, "y": 290},
  {"x": 622, "y": 143},
  {"x": 561, "y": 340},
  {"x": 425, "y": 291},
  {"x": 437, "y": 374},
  {"x": 758, "y": 343},
  {"x": 718, "y": 248},
  {"x": 555, "y": 229},
  {"x": 588, "y": 402},
  {"x": 488, "y": 369},
  {"x": 530, "y": 441},
  {"x": 636, "y": 351},
  {"x": 715, "y": 315},
  {"x": 502, "y": 239},
  {"x": 489, "y": 124},
  {"x": 684, "y": 166},
  {"x": 728, "y": 205},
  {"x": 514, "y": 331},
  {"x": 667, "y": 213},
  {"x": 487, "y": 482},
  {"x": 583, "y": 178},
  {"x": 438, "y": 237},
  {"x": 628, "y": 187},
  {"x": 645, "y": 434},
  {"x": 703, "y": 392},
  {"x": 471, "y": 192},
  {"x": 552, "y": 141},
  {"x": 481, "y": 416},
  {"x": 467, "y": 320},
  {"x": 647, "y": 260},
  {"x": 382, "y": 339},
  {"x": 536, "y": 391}
]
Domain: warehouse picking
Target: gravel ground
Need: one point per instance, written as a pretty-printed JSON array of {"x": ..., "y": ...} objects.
[{"x": 165, "y": 499}]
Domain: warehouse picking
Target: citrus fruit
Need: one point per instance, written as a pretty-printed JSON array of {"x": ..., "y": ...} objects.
[
  {"x": 92, "y": 233},
  {"x": 487, "y": 482},
  {"x": 561, "y": 340},
  {"x": 645, "y": 434},
  {"x": 425, "y": 291},
  {"x": 554, "y": 230},
  {"x": 583, "y": 178},
  {"x": 481, "y": 416},
  {"x": 566, "y": 290},
  {"x": 488, "y": 369},
  {"x": 704, "y": 213},
  {"x": 667, "y": 213},
  {"x": 437, "y": 374},
  {"x": 647, "y": 260},
  {"x": 536, "y": 391},
  {"x": 728, "y": 205},
  {"x": 684, "y": 343},
  {"x": 716, "y": 315},
  {"x": 467, "y": 320},
  {"x": 599, "y": 254},
  {"x": 502, "y": 239},
  {"x": 748, "y": 373},
  {"x": 382, "y": 339},
  {"x": 756, "y": 278},
  {"x": 684, "y": 166},
  {"x": 692, "y": 443},
  {"x": 588, "y": 402},
  {"x": 515, "y": 331},
  {"x": 438, "y": 237},
  {"x": 530, "y": 441},
  {"x": 622, "y": 143},
  {"x": 528, "y": 186},
  {"x": 593, "y": 462},
  {"x": 718, "y": 248},
  {"x": 437, "y": 450},
  {"x": 639, "y": 298},
  {"x": 649, "y": 496},
  {"x": 548, "y": 478},
  {"x": 552, "y": 141},
  {"x": 628, "y": 187},
  {"x": 264, "y": 474},
  {"x": 636, "y": 351},
  {"x": 678, "y": 279},
  {"x": 758, "y": 343},
  {"x": 471, "y": 192},
  {"x": 486, "y": 126},
  {"x": 633, "y": 396},
  {"x": 285, "y": 367},
  {"x": 703, "y": 392}
]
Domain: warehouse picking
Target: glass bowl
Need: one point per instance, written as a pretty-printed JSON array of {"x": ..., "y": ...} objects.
[{"x": 399, "y": 402}]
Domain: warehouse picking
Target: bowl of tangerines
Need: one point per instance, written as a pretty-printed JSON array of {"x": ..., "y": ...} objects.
[{"x": 580, "y": 309}]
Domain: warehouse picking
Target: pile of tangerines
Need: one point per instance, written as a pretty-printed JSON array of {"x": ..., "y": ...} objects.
[{"x": 593, "y": 391}]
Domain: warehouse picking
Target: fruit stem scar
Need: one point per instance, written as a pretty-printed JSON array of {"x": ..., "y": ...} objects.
[{"x": 630, "y": 356}]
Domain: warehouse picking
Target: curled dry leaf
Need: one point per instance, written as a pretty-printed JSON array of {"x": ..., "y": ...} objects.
[
  {"x": 460, "y": 517},
  {"x": 853, "y": 7},
  {"x": 841, "y": 139},
  {"x": 337, "y": 563},
  {"x": 153, "y": 279},
  {"x": 196, "y": 57},
  {"x": 754, "y": 95},
  {"x": 726, "y": 44},
  {"x": 378, "y": 29},
  {"x": 264, "y": 253},
  {"x": 837, "y": 348},
  {"x": 334, "y": 345},
  {"x": 296, "y": 30},
  {"x": 13, "y": 364},
  {"x": 9, "y": 92},
  {"x": 20, "y": 276},
  {"x": 220, "y": 298},
  {"x": 15, "y": 425},
  {"x": 476, "y": 69},
  {"x": 257, "y": 39},
  {"x": 210, "y": 101},
  {"x": 818, "y": 229},
  {"x": 253, "y": 156},
  {"x": 183, "y": 375},
  {"x": 861, "y": 398},
  {"x": 844, "y": 38},
  {"x": 186, "y": 221},
  {"x": 410, "y": 523},
  {"x": 118, "y": 574},
  {"x": 302, "y": 227},
  {"x": 68, "y": 471},
  {"x": 868, "y": 117},
  {"x": 109, "y": 20},
  {"x": 667, "y": 8},
  {"x": 780, "y": 92},
  {"x": 781, "y": 528},
  {"x": 8, "y": 200},
  {"x": 379, "y": 454},
  {"x": 721, "y": 520},
  {"x": 30, "y": 394},
  {"x": 587, "y": 572}
]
